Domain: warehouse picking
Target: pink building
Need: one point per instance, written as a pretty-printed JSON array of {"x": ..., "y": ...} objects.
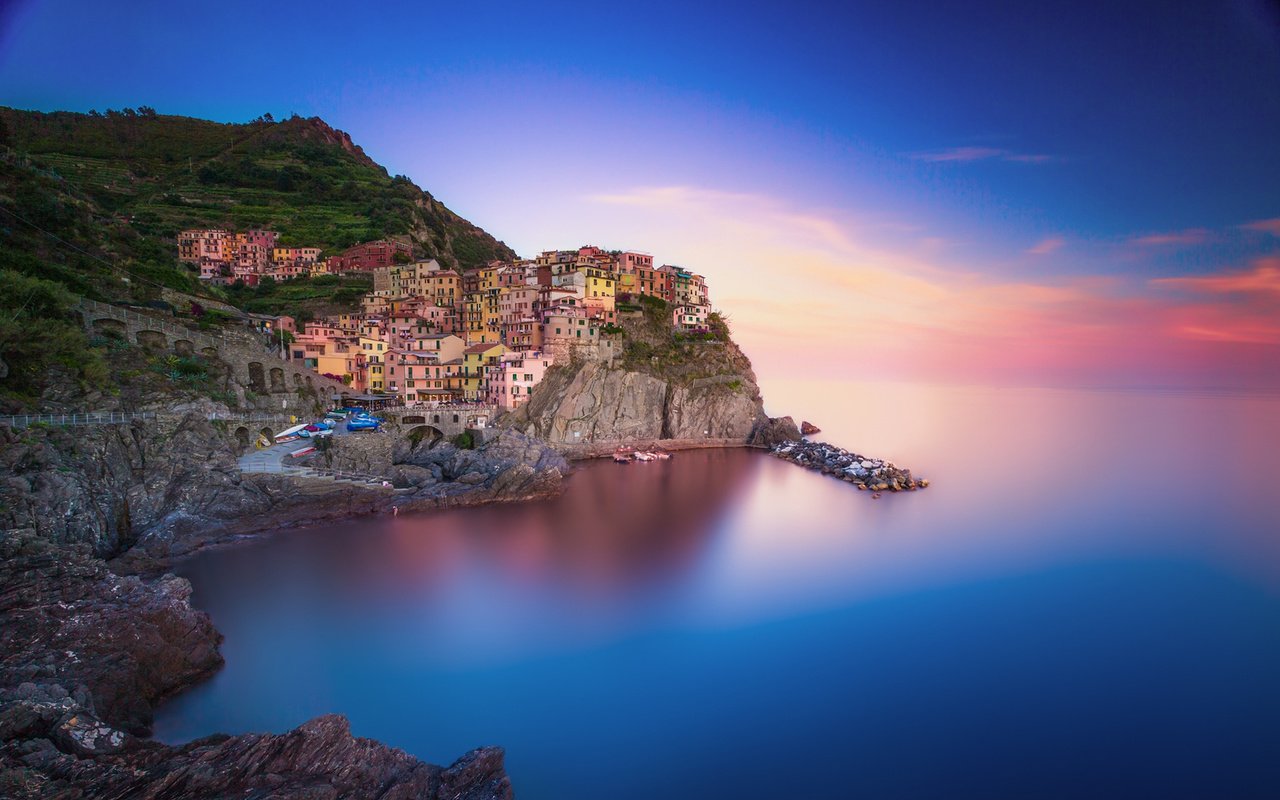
[
  {"x": 511, "y": 381},
  {"x": 634, "y": 262}
]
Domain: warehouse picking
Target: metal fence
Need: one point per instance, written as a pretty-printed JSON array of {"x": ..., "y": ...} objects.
[
  {"x": 254, "y": 416},
  {"x": 100, "y": 418}
]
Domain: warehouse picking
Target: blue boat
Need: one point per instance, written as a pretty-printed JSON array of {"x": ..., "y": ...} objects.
[{"x": 363, "y": 424}]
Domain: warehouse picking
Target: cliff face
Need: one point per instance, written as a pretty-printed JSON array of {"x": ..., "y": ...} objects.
[
  {"x": 592, "y": 402},
  {"x": 660, "y": 389}
]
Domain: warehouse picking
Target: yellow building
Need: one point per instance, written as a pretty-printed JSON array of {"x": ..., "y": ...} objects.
[
  {"x": 474, "y": 360},
  {"x": 600, "y": 288}
]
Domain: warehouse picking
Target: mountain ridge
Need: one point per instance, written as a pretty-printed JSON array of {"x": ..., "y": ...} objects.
[{"x": 158, "y": 174}]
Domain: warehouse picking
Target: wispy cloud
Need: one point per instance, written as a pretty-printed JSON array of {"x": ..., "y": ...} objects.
[
  {"x": 794, "y": 277},
  {"x": 1046, "y": 246},
  {"x": 1191, "y": 236},
  {"x": 969, "y": 154},
  {"x": 1271, "y": 226},
  {"x": 1264, "y": 278}
]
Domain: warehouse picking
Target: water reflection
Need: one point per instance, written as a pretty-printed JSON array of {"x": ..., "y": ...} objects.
[{"x": 1090, "y": 573}]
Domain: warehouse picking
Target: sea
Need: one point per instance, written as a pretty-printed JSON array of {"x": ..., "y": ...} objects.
[{"x": 1085, "y": 603}]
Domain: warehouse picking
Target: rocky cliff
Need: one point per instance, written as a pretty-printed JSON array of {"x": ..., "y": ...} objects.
[{"x": 660, "y": 389}]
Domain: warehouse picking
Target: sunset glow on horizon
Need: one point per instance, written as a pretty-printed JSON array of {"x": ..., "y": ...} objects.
[{"x": 952, "y": 196}]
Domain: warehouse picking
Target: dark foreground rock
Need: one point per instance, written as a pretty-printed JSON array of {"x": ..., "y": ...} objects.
[
  {"x": 85, "y": 656},
  {"x": 118, "y": 644},
  {"x": 808, "y": 428},
  {"x": 64, "y": 752},
  {"x": 867, "y": 473}
]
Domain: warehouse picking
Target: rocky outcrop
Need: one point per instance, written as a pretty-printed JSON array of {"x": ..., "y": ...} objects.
[
  {"x": 867, "y": 473},
  {"x": 807, "y": 428},
  {"x": 119, "y": 644},
  {"x": 774, "y": 432},
  {"x": 53, "y": 748},
  {"x": 585, "y": 403},
  {"x": 432, "y": 472},
  {"x": 145, "y": 493},
  {"x": 85, "y": 655}
]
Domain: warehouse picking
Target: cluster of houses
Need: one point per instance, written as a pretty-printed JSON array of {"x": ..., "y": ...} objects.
[
  {"x": 429, "y": 335},
  {"x": 224, "y": 257}
]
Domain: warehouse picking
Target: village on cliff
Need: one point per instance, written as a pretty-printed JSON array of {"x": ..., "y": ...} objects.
[{"x": 429, "y": 335}]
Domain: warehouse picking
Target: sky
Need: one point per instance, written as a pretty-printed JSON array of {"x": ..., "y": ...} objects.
[{"x": 1049, "y": 193}]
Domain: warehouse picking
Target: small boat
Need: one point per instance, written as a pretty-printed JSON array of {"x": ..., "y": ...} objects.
[
  {"x": 289, "y": 434},
  {"x": 316, "y": 431},
  {"x": 642, "y": 456},
  {"x": 661, "y": 456},
  {"x": 363, "y": 424},
  {"x": 622, "y": 458},
  {"x": 302, "y": 451}
]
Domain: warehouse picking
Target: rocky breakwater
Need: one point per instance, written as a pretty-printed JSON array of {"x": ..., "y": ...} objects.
[{"x": 868, "y": 474}]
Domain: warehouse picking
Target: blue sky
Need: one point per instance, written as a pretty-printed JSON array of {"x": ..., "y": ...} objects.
[{"x": 998, "y": 142}]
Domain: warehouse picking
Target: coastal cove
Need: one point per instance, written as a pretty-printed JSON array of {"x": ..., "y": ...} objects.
[{"x": 1063, "y": 596}]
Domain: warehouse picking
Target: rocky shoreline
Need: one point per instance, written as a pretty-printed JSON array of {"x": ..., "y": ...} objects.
[
  {"x": 93, "y": 637},
  {"x": 85, "y": 656},
  {"x": 868, "y": 474}
]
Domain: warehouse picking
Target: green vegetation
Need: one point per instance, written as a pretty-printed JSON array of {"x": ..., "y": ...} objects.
[
  {"x": 90, "y": 204},
  {"x": 40, "y": 340},
  {"x": 464, "y": 441},
  {"x": 655, "y": 348},
  {"x": 162, "y": 174},
  {"x": 303, "y": 298}
]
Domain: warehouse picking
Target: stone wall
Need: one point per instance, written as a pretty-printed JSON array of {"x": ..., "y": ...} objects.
[{"x": 262, "y": 379}]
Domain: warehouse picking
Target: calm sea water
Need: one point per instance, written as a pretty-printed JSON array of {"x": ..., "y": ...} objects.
[{"x": 1085, "y": 604}]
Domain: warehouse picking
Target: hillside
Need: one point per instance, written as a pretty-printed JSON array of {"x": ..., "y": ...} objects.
[
  {"x": 160, "y": 174},
  {"x": 90, "y": 205}
]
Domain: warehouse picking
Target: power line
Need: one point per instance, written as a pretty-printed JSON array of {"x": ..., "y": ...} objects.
[{"x": 79, "y": 249}]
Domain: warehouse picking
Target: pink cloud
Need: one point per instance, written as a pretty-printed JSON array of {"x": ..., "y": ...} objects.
[
  {"x": 1175, "y": 238},
  {"x": 968, "y": 154},
  {"x": 815, "y": 292},
  {"x": 959, "y": 154},
  {"x": 1263, "y": 278},
  {"x": 1046, "y": 246},
  {"x": 1271, "y": 226}
]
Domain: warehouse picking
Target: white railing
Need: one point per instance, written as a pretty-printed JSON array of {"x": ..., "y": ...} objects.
[
  {"x": 255, "y": 416},
  {"x": 91, "y": 418}
]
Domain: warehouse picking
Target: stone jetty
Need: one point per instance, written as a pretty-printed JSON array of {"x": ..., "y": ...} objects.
[{"x": 868, "y": 474}]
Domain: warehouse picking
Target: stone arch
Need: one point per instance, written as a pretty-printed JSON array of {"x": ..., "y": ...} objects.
[
  {"x": 268, "y": 435},
  {"x": 242, "y": 438},
  {"x": 425, "y": 433},
  {"x": 183, "y": 347},
  {"x": 211, "y": 352},
  {"x": 297, "y": 380},
  {"x": 113, "y": 328},
  {"x": 257, "y": 378},
  {"x": 151, "y": 340},
  {"x": 309, "y": 384},
  {"x": 414, "y": 419},
  {"x": 277, "y": 380}
]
